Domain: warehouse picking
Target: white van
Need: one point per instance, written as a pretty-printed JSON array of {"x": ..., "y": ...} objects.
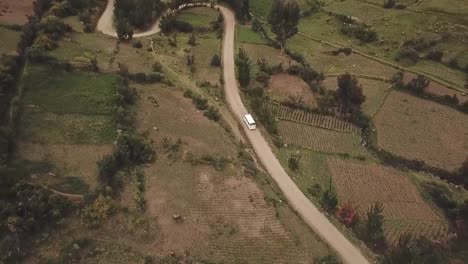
[{"x": 250, "y": 122}]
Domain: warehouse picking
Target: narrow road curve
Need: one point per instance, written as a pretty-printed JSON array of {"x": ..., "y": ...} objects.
[{"x": 309, "y": 213}]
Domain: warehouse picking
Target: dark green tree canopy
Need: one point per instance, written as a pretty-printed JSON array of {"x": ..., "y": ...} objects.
[{"x": 284, "y": 17}]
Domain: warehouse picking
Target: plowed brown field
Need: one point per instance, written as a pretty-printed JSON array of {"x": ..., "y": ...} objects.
[{"x": 364, "y": 184}]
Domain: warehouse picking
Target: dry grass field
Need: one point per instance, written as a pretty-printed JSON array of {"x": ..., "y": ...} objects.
[
  {"x": 319, "y": 139},
  {"x": 438, "y": 89},
  {"x": 418, "y": 129},
  {"x": 226, "y": 216},
  {"x": 363, "y": 184},
  {"x": 374, "y": 90},
  {"x": 284, "y": 87},
  {"x": 15, "y": 12}
]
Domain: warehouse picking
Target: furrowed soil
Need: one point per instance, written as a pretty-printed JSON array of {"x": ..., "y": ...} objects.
[
  {"x": 15, "y": 12},
  {"x": 363, "y": 184}
]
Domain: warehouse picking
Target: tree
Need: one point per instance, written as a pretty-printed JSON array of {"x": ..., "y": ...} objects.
[
  {"x": 124, "y": 30},
  {"x": 215, "y": 60},
  {"x": 329, "y": 200},
  {"x": 284, "y": 18},
  {"x": 349, "y": 93},
  {"x": 243, "y": 67},
  {"x": 374, "y": 225},
  {"x": 419, "y": 84},
  {"x": 241, "y": 7}
]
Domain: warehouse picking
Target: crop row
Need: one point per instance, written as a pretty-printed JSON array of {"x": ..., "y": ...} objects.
[{"x": 301, "y": 116}]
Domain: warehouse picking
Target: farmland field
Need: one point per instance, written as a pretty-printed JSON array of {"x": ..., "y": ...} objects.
[
  {"x": 241, "y": 228},
  {"x": 328, "y": 122},
  {"x": 9, "y": 40},
  {"x": 320, "y": 139},
  {"x": 198, "y": 16},
  {"x": 374, "y": 90},
  {"x": 15, "y": 12},
  {"x": 418, "y": 129},
  {"x": 364, "y": 184},
  {"x": 284, "y": 87}
]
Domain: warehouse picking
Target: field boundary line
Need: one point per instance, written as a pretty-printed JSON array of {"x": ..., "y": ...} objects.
[
  {"x": 334, "y": 44},
  {"x": 436, "y": 79},
  {"x": 364, "y": 76},
  {"x": 382, "y": 102}
]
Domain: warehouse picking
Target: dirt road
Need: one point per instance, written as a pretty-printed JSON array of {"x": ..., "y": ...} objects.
[{"x": 309, "y": 213}]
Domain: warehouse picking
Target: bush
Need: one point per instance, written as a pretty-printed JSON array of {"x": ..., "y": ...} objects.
[
  {"x": 133, "y": 149},
  {"x": 212, "y": 113},
  {"x": 157, "y": 67},
  {"x": 293, "y": 162},
  {"x": 263, "y": 78},
  {"x": 108, "y": 167},
  {"x": 294, "y": 69},
  {"x": 347, "y": 215},
  {"x": 98, "y": 211},
  {"x": 435, "y": 55},
  {"x": 419, "y": 84},
  {"x": 192, "y": 40},
  {"x": 407, "y": 54},
  {"x": 137, "y": 44},
  {"x": 329, "y": 201},
  {"x": 215, "y": 60},
  {"x": 359, "y": 31}
]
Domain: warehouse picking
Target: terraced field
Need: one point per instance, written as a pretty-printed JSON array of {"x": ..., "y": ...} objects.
[
  {"x": 319, "y": 139},
  {"x": 363, "y": 184},
  {"x": 328, "y": 122}
]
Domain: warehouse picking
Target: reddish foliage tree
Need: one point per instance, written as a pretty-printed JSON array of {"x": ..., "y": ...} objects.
[{"x": 347, "y": 215}]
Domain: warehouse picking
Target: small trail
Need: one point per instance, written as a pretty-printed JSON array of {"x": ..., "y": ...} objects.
[{"x": 297, "y": 200}]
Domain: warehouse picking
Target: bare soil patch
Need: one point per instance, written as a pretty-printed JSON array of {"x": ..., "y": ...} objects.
[
  {"x": 364, "y": 184},
  {"x": 419, "y": 129},
  {"x": 15, "y": 11},
  {"x": 284, "y": 87}
]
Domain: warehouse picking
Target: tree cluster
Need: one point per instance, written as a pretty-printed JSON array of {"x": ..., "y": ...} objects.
[
  {"x": 241, "y": 7},
  {"x": 284, "y": 18},
  {"x": 243, "y": 65}
]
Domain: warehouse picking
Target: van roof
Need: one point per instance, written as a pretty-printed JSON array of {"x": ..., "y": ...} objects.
[{"x": 250, "y": 119}]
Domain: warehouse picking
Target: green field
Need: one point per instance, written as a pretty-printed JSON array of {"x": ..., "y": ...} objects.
[
  {"x": 9, "y": 39},
  {"x": 65, "y": 107},
  {"x": 198, "y": 16},
  {"x": 63, "y": 92},
  {"x": 246, "y": 35}
]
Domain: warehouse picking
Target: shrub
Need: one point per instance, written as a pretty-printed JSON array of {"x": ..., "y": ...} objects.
[
  {"x": 294, "y": 162},
  {"x": 435, "y": 55},
  {"x": 157, "y": 67},
  {"x": 108, "y": 167},
  {"x": 137, "y": 44},
  {"x": 190, "y": 59},
  {"x": 407, "y": 54},
  {"x": 263, "y": 78},
  {"x": 359, "y": 31},
  {"x": 200, "y": 102},
  {"x": 98, "y": 211},
  {"x": 212, "y": 113},
  {"x": 215, "y": 60},
  {"x": 133, "y": 149},
  {"x": 347, "y": 215},
  {"x": 294, "y": 69},
  {"x": 192, "y": 40},
  {"x": 419, "y": 84},
  {"x": 329, "y": 201}
]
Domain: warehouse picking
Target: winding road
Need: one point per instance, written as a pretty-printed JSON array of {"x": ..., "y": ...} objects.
[{"x": 300, "y": 203}]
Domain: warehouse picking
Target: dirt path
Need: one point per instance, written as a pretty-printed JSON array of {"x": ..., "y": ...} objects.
[{"x": 300, "y": 203}]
